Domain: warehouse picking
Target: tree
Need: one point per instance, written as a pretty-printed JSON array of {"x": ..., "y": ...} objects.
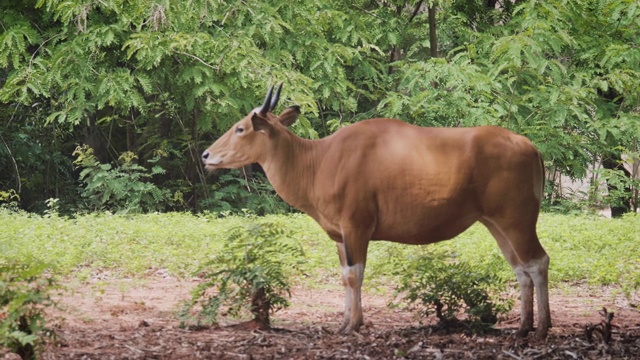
[
  {"x": 544, "y": 73},
  {"x": 161, "y": 79},
  {"x": 152, "y": 77}
]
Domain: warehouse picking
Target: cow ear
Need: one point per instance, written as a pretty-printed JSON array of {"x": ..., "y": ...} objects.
[
  {"x": 289, "y": 115},
  {"x": 260, "y": 124}
]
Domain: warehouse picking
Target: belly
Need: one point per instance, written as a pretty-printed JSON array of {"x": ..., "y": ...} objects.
[{"x": 425, "y": 224}]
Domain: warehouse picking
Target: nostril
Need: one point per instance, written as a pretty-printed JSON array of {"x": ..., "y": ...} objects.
[{"x": 205, "y": 155}]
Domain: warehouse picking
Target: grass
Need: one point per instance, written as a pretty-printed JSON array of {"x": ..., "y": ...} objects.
[{"x": 589, "y": 249}]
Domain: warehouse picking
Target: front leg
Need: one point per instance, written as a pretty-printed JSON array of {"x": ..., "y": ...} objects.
[{"x": 352, "y": 277}]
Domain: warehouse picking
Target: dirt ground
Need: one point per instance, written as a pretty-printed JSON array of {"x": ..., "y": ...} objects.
[{"x": 135, "y": 319}]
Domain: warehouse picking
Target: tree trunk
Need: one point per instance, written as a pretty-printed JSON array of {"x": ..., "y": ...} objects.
[
  {"x": 433, "y": 39},
  {"x": 614, "y": 162},
  {"x": 93, "y": 138},
  {"x": 27, "y": 351},
  {"x": 193, "y": 164},
  {"x": 131, "y": 141},
  {"x": 260, "y": 307}
]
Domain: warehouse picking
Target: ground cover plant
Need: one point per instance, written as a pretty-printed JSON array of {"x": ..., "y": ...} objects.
[
  {"x": 251, "y": 273},
  {"x": 592, "y": 249},
  {"x": 25, "y": 294},
  {"x": 438, "y": 284},
  {"x": 96, "y": 252}
]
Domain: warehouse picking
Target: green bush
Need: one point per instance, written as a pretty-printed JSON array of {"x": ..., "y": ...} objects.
[
  {"x": 8, "y": 197},
  {"x": 250, "y": 275},
  {"x": 620, "y": 188},
  {"x": 24, "y": 296},
  {"x": 235, "y": 192},
  {"x": 443, "y": 285},
  {"x": 124, "y": 188}
]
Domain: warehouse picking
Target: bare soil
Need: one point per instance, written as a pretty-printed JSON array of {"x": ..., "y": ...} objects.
[{"x": 136, "y": 319}]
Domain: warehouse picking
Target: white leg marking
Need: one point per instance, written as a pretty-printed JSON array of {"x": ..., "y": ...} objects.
[
  {"x": 352, "y": 277},
  {"x": 539, "y": 272},
  {"x": 526, "y": 300},
  {"x": 348, "y": 293}
]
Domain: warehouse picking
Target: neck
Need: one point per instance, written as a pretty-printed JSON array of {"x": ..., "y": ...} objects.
[{"x": 291, "y": 167}]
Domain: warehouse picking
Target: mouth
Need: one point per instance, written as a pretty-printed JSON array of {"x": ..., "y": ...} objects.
[{"x": 212, "y": 164}]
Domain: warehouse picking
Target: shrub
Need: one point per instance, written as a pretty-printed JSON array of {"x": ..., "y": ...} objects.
[
  {"x": 251, "y": 274},
  {"x": 622, "y": 190},
  {"x": 123, "y": 188},
  {"x": 24, "y": 296},
  {"x": 441, "y": 285},
  {"x": 9, "y": 199},
  {"x": 235, "y": 192}
]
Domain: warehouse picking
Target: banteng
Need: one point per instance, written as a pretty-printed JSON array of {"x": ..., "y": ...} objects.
[{"x": 383, "y": 179}]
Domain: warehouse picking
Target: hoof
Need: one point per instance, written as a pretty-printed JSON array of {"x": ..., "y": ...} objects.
[
  {"x": 541, "y": 333},
  {"x": 523, "y": 332},
  {"x": 347, "y": 328}
]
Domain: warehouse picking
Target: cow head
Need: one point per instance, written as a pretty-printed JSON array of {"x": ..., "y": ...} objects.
[{"x": 251, "y": 138}]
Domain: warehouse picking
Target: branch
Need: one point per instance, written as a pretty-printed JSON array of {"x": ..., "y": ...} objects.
[
  {"x": 40, "y": 47},
  {"x": 15, "y": 165},
  {"x": 368, "y": 12},
  {"x": 197, "y": 58},
  {"x": 416, "y": 10}
]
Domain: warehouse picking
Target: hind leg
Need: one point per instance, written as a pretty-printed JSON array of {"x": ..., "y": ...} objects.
[
  {"x": 526, "y": 301},
  {"x": 523, "y": 251},
  {"x": 538, "y": 270}
]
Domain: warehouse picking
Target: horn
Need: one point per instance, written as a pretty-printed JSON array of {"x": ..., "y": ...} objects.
[
  {"x": 267, "y": 101},
  {"x": 276, "y": 97}
]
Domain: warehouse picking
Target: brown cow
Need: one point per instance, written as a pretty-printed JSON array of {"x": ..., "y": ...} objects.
[{"x": 383, "y": 179}]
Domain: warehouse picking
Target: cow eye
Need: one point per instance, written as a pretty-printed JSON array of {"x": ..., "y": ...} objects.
[{"x": 239, "y": 130}]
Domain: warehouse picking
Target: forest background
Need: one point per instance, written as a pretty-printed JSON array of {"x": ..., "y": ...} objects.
[{"x": 106, "y": 105}]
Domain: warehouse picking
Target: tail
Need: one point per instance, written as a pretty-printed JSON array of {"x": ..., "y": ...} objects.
[{"x": 540, "y": 194}]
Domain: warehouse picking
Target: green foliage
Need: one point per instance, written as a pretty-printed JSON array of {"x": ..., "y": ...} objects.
[
  {"x": 618, "y": 185},
  {"x": 25, "y": 293},
  {"x": 250, "y": 274},
  {"x": 575, "y": 203},
  {"x": 582, "y": 248},
  {"x": 235, "y": 192},
  {"x": 461, "y": 95},
  {"x": 117, "y": 244},
  {"x": 9, "y": 198},
  {"x": 439, "y": 284},
  {"x": 545, "y": 72},
  {"x": 31, "y": 163},
  {"x": 144, "y": 76},
  {"x": 587, "y": 249},
  {"x": 119, "y": 189}
]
